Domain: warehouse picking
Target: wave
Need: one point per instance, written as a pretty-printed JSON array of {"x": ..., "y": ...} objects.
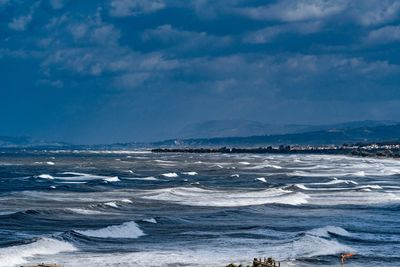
[
  {"x": 111, "y": 204},
  {"x": 16, "y": 255},
  {"x": 84, "y": 211},
  {"x": 368, "y": 187},
  {"x": 45, "y": 176},
  {"x": 194, "y": 196},
  {"x": 78, "y": 176},
  {"x": 263, "y": 166},
  {"x": 261, "y": 179},
  {"x": 150, "y": 178},
  {"x": 336, "y": 181},
  {"x": 170, "y": 174},
  {"x": 327, "y": 230},
  {"x": 125, "y": 230},
  {"x": 151, "y": 220},
  {"x": 313, "y": 246},
  {"x": 190, "y": 173}
]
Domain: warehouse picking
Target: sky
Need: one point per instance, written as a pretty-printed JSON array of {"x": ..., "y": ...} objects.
[{"x": 104, "y": 71}]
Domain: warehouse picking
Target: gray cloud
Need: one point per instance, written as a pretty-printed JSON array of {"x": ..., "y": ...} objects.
[
  {"x": 290, "y": 11},
  {"x": 267, "y": 34},
  {"x": 124, "y": 8},
  {"x": 384, "y": 35}
]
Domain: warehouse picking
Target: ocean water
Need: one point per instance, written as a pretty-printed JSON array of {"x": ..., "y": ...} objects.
[{"x": 120, "y": 208}]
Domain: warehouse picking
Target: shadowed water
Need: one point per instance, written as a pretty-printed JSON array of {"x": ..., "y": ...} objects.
[{"x": 119, "y": 208}]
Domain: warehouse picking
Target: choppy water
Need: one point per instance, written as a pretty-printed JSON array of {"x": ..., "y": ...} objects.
[{"x": 143, "y": 209}]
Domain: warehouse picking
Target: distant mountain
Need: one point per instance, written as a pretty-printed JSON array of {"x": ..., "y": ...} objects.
[
  {"x": 241, "y": 128},
  {"x": 26, "y": 142},
  {"x": 235, "y": 128},
  {"x": 321, "y": 137},
  {"x": 9, "y": 141}
]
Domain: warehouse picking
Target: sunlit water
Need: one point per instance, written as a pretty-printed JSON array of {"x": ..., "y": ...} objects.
[{"x": 142, "y": 209}]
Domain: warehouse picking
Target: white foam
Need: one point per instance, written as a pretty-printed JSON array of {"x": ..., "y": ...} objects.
[
  {"x": 150, "y": 178},
  {"x": 170, "y": 174},
  {"x": 45, "y": 176},
  {"x": 190, "y": 173},
  {"x": 112, "y": 179},
  {"x": 126, "y": 200},
  {"x": 264, "y": 166},
  {"x": 336, "y": 181},
  {"x": 125, "y": 230},
  {"x": 235, "y": 175},
  {"x": 262, "y": 179},
  {"x": 78, "y": 176},
  {"x": 50, "y": 163},
  {"x": 151, "y": 220},
  {"x": 244, "y": 163},
  {"x": 111, "y": 204},
  {"x": 15, "y": 255},
  {"x": 84, "y": 211},
  {"x": 194, "y": 196}
]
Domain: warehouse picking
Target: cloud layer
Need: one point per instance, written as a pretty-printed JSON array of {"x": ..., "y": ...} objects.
[{"x": 158, "y": 65}]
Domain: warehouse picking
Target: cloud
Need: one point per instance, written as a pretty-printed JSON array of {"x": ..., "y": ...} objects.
[
  {"x": 124, "y": 8},
  {"x": 57, "y": 4},
  {"x": 384, "y": 35},
  {"x": 268, "y": 34},
  {"x": 374, "y": 12},
  {"x": 20, "y": 23},
  {"x": 290, "y": 11},
  {"x": 185, "y": 41}
]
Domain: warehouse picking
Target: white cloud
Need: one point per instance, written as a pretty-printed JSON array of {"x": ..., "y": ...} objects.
[
  {"x": 124, "y": 8},
  {"x": 20, "y": 23},
  {"x": 384, "y": 35},
  {"x": 57, "y": 4},
  {"x": 183, "y": 40},
  {"x": 299, "y": 10},
  {"x": 269, "y": 33}
]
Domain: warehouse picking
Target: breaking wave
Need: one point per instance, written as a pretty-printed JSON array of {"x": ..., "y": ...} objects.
[
  {"x": 15, "y": 255},
  {"x": 125, "y": 230},
  {"x": 194, "y": 196}
]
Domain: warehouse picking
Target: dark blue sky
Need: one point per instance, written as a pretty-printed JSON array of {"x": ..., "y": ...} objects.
[{"x": 97, "y": 71}]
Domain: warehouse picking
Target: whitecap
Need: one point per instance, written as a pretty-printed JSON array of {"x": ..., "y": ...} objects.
[
  {"x": 151, "y": 220},
  {"x": 84, "y": 211},
  {"x": 111, "y": 204},
  {"x": 125, "y": 230},
  {"x": 261, "y": 179},
  {"x": 194, "y": 196},
  {"x": 170, "y": 174},
  {"x": 45, "y": 176},
  {"x": 16, "y": 255},
  {"x": 150, "y": 178},
  {"x": 126, "y": 200},
  {"x": 112, "y": 179},
  {"x": 190, "y": 173}
]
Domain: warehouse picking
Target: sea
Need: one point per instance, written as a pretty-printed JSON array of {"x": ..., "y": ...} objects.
[{"x": 97, "y": 208}]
